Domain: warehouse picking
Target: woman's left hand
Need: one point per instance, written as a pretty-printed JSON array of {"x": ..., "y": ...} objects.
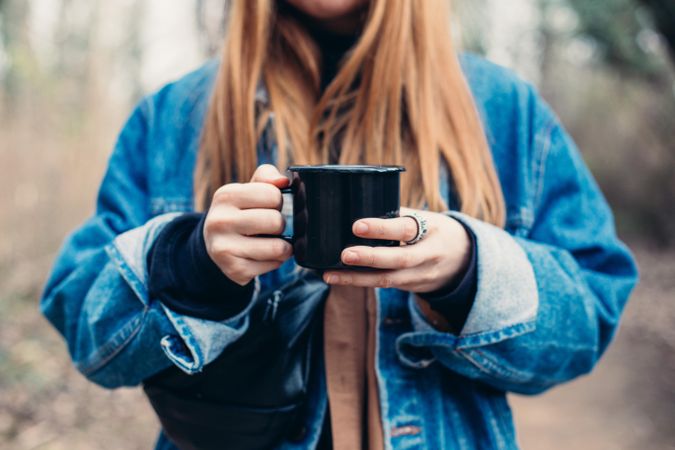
[{"x": 426, "y": 266}]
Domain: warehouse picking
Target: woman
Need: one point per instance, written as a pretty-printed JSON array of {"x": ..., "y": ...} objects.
[{"x": 517, "y": 286}]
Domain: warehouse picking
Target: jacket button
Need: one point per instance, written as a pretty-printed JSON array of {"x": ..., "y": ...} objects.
[{"x": 405, "y": 430}]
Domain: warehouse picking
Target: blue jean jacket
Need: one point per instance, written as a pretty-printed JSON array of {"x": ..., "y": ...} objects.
[{"x": 551, "y": 285}]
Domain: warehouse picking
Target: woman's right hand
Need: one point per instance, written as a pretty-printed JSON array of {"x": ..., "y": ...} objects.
[{"x": 239, "y": 212}]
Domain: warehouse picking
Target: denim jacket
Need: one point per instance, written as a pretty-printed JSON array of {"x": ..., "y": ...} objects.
[{"x": 551, "y": 285}]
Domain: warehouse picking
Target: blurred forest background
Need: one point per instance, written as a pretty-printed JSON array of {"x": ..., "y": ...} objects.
[{"x": 70, "y": 71}]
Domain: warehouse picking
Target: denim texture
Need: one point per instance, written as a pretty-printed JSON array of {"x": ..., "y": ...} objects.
[{"x": 551, "y": 285}]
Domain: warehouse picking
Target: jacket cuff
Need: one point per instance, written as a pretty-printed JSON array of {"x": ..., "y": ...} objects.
[
  {"x": 506, "y": 299},
  {"x": 194, "y": 342},
  {"x": 197, "y": 342},
  {"x": 506, "y": 293}
]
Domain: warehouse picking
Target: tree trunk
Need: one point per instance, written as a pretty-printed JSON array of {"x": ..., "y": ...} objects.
[
  {"x": 13, "y": 26},
  {"x": 546, "y": 56}
]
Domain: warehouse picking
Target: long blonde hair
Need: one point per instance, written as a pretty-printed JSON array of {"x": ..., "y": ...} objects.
[{"x": 399, "y": 97}]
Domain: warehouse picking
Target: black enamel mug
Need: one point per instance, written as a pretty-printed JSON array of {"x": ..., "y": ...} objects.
[{"x": 328, "y": 199}]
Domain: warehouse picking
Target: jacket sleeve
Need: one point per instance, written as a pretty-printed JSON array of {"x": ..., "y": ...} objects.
[
  {"x": 548, "y": 301},
  {"x": 97, "y": 294}
]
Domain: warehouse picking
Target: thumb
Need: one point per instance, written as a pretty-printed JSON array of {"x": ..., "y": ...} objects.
[{"x": 267, "y": 173}]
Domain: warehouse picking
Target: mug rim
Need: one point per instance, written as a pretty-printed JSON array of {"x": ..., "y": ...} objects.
[{"x": 347, "y": 168}]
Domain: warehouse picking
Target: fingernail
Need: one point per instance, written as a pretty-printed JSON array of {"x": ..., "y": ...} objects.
[
  {"x": 330, "y": 279},
  {"x": 350, "y": 257},
  {"x": 361, "y": 227}
]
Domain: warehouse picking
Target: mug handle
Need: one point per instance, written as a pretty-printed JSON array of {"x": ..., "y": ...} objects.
[{"x": 286, "y": 238}]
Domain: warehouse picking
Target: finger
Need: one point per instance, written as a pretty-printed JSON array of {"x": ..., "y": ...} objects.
[
  {"x": 249, "y": 222},
  {"x": 249, "y": 195},
  {"x": 261, "y": 248},
  {"x": 242, "y": 270},
  {"x": 380, "y": 278},
  {"x": 267, "y": 173},
  {"x": 383, "y": 257},
  {"x": 399, "y": 229}
]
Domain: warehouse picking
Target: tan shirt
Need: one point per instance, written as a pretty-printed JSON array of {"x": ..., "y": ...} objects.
[{"x": 350, "y": 325}]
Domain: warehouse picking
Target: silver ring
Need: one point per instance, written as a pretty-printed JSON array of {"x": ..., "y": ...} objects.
[{"x": 421, "y": 228}]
